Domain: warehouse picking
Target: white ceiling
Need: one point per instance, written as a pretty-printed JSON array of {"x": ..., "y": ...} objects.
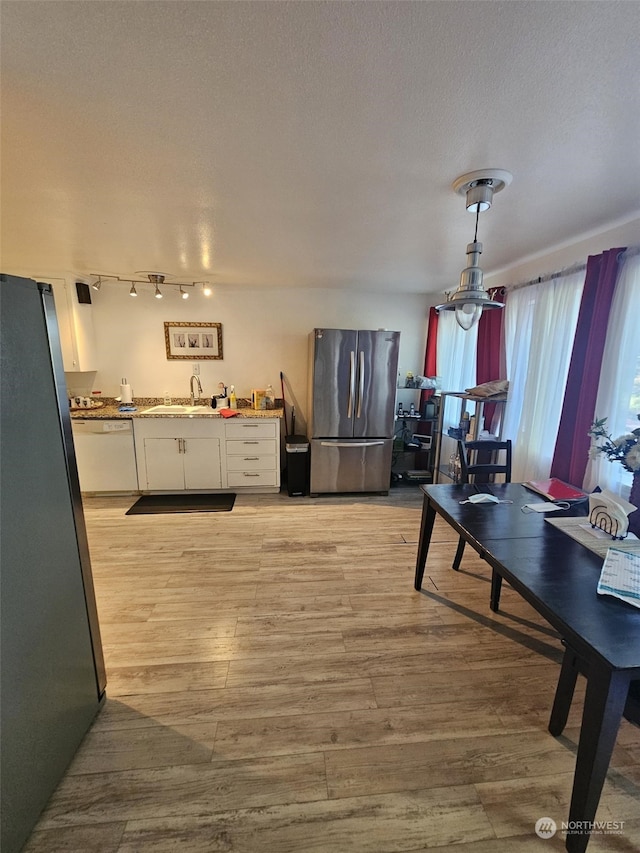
[{"x": 303, "y": 144}]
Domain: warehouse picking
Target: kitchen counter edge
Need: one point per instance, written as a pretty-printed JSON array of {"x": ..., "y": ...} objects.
[{"x": 113, "y": 413}]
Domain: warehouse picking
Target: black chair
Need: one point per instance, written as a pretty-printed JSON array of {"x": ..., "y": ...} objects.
[{"x": 483, "y": 469}]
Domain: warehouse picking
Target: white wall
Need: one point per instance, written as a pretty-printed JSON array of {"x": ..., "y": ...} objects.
[{"x": 264, "y": 331}]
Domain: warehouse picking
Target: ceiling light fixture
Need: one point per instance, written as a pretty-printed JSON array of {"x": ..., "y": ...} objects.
[
  {"x": 480, "y": 186},
  {"x": 471, "y": 299},
  {"x": 157, "y": 279}
]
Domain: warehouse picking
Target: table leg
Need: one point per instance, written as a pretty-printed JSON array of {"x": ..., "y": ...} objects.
[
  {"x": 496, "y": 587},
  {"x": 458, "y": 557},
  {"x": 603, "y": 706},
  {"x": 564, "y": 692},
  {"x": 426, "y": 529}
]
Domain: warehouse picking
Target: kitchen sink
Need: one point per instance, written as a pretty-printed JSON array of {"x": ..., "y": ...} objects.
[{"x": 178, "y": 410}]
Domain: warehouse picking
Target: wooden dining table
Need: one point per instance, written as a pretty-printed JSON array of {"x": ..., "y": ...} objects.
[{"x": 557, "y": 576}]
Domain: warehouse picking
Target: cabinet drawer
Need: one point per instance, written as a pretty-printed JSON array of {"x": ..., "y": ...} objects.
[
  {"x": 251, "y": 447},
  {"x": 252, "y": 462},
  {"x": 252, "y": 478},
  {"x": 251, "y": 429}
]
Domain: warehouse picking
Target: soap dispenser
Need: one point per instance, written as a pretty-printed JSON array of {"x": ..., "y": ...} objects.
[{"x": 233, "y": 402}]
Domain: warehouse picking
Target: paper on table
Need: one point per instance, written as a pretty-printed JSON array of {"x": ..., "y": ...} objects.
[
  {"x": 620, "y": 576},
  {"x": 544, "y": 507}
]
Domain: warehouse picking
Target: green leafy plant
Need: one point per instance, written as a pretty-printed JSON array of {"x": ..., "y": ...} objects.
[{"x": 625, "y": 449}]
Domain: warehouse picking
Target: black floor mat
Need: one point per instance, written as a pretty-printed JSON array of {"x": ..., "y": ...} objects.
[{"x": 149, "y": 504}]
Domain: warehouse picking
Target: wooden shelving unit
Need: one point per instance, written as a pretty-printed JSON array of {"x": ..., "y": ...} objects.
[
  {"x": 412, "y": 464},
  {"x": 439, "y": 473}
]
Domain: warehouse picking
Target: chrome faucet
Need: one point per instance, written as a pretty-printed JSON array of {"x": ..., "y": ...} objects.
[{"x": 193, "y": 396}]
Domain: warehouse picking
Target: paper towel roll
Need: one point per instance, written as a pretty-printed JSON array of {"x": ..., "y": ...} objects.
[{"x": 125, "y": 393}]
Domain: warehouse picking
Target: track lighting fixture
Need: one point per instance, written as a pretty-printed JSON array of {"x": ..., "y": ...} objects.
[
  {"x": 471, "y": 299},
  {"x": 157, "y": 279}
]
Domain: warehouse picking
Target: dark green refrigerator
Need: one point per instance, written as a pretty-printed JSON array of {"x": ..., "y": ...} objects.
[{"x": 52, "y": 669}]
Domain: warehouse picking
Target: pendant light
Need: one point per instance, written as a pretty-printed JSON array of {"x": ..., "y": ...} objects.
[{"x": 471, "y": 299}]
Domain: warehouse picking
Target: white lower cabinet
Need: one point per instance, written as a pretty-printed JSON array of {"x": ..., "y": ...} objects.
[
  {"x": 182, "y": 463},
  {"x": 176, "y": 454},
  {"x": 252, "y": 450}
]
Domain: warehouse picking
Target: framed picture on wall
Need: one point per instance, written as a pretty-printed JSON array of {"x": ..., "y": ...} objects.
[{"x": 193, "y": 341}]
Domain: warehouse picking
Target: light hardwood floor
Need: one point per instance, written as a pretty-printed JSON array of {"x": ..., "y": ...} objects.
[{"x": 276, "y": 685}]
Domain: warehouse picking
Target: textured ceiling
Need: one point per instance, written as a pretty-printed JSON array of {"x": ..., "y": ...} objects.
[{"x": 302, "y": 144}]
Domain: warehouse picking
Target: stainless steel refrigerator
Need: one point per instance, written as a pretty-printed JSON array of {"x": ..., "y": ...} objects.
[
  {"x": 351, "y": 409},
  {"x": 53, "y": 676}
]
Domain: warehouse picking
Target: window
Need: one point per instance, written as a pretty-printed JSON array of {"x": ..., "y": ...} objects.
[
  {"x": 540, "y": 324},
  {"x": 619, "y": 387}
]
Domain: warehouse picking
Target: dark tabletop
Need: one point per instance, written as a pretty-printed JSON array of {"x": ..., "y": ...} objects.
[{"x": 552, "y": 571}]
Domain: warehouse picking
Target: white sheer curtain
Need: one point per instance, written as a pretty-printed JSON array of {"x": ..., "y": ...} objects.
[
  {"x": 540, "y": 323},
  {"x": 456, "y": 353},
  {"x": 619, "y": 388},
  {"x": 456, "y": 358}
]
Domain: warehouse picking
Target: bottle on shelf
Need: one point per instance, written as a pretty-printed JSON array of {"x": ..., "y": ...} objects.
[
  {"x": 167, "y": 398},
  {"x": 233, "y": 401}
]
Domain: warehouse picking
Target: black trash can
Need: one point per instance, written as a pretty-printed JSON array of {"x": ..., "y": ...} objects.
[{"x": 297, "y": 449}]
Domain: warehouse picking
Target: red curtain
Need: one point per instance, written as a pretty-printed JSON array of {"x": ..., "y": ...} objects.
[
  {"x": 430, "y": 365},
  {"x": 490, "y": 354},
  {"x": 572, "y": 444}
]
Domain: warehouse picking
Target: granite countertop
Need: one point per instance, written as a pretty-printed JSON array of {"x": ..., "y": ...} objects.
[{"x": 110, "y": 410}]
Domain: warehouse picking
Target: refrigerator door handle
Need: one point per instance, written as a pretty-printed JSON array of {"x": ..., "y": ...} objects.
[
  {"x": 360, "y": 384},
  {"x": 350, "y": 443},
  {"x": 352, "y": 382}
]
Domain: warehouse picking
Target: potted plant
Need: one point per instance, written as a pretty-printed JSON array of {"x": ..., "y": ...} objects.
[{"x": 626, "y": 450}]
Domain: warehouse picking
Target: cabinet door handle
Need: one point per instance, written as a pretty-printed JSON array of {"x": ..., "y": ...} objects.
[
  {"x": 251, "y": 475},
  {"x": 250, "y": 442},
  {"x": 179, "y": 440},
  {"x": 251, "y": 458},
  {"x": 184, "y": 445}
]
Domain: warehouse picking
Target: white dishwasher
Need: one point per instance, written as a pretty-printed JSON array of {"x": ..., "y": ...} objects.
[{"x": 105, "y": 455}]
